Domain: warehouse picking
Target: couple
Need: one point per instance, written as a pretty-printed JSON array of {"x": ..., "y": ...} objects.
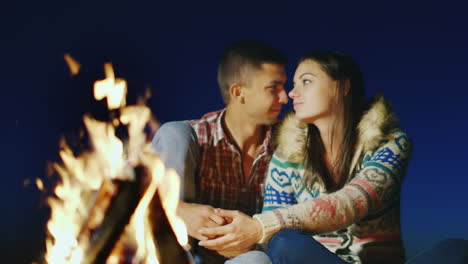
[{"x": 323, "y": 186}]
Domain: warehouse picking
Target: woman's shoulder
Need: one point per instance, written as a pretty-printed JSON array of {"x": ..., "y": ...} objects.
[
  {"x": 396, "y": 139},
  {"x": 391, "y": 154},
  {"x": 291, "y": 139}
]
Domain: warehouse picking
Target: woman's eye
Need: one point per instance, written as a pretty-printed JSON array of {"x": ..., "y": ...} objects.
[{"x": 306, "y": 81}]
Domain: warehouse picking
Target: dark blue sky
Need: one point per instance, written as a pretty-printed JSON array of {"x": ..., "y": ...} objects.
[{"x": 414, "y": 53}]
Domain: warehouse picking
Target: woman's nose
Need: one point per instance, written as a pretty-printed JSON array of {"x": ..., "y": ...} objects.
[{"x": 293, "y": 93}]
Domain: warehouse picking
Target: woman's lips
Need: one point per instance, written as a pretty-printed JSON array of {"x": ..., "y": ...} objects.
[{"x": 297, "y": 104}]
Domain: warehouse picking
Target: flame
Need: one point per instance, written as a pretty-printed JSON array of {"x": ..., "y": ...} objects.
[
  {"x": 169, "y": 193},
  {"x": 73, "y": 65},
  {"x": 39, "y": 184},
  {"x": 135, "y": 117},
  {"x": 84, "y": 175},
  {"x": 144, "y": 237},
  {"x": 111, "y": 88}
]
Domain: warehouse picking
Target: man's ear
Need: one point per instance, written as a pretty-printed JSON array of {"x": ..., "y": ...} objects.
[{"x": 236, "y": 92}]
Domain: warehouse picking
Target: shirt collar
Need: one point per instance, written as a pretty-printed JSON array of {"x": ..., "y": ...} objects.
[{"x": 221, "y": 134}]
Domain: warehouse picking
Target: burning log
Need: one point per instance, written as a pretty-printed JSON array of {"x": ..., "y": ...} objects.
[
  {"x": 102, "y": 238},
  {"x": 165, "y": 238},
  {"x": 114, "y": 205}
]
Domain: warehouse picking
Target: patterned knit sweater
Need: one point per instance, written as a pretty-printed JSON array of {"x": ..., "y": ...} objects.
[{"x": 360, "y": 222}]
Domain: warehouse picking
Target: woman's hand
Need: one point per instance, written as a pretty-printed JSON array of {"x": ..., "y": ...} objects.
[{"x": 242, "y": 232}]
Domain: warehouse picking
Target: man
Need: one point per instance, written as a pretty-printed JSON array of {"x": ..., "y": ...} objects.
[{"x": 226, "y": 169}]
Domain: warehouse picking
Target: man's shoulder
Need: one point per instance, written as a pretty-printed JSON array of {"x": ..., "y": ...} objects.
[
  {"x": 206, "y": 119},
  {"x": 206, "y": 125}
]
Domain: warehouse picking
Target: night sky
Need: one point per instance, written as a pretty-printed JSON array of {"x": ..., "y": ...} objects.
[{"x": 414, "y": 53}]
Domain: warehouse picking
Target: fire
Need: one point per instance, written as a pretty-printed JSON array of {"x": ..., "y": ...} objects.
[
  {"x": 170, "y": 196},
  {"x": 91, "y": 185},
  {"x": 111, "y": 88},
  {"x": 73, "y": 65}
]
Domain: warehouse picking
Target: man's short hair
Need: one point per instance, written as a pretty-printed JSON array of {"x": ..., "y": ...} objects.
[{"x": 242, "y": 58}]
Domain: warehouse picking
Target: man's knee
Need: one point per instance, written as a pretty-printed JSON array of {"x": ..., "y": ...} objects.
[
  {"x": 175, "y": 140},
  {"x": 177, "y": 145},
  {"x": 171, "y": 133}
]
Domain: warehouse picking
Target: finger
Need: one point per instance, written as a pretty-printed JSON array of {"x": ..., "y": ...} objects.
[
  {"x": 214, "y": 231},
  {"x": 208, "y": 224},
  {"x": 199, "y": 236},
  {"x": 226, "y": 213},
  {"x": 215, "y": 244},
  {"x": 217, "y": 219}
]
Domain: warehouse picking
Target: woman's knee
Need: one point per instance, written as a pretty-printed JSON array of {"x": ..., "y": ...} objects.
[
  {"x": 286, "y": 246},
  {"x": 257, "y": 257}
]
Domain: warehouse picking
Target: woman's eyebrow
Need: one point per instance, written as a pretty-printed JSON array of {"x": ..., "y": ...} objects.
[{"x": 305, "y": 73}]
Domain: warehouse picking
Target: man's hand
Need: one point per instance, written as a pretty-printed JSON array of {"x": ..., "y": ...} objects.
[
  {"x": 197, "y": 216},
  {"x": 242, "y": 232}
]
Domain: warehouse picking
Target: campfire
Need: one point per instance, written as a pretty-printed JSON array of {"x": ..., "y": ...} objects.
[{"x": 116, "y": 202}]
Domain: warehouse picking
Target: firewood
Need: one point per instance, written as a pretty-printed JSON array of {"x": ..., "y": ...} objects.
[{"x": 170, "y": 251}]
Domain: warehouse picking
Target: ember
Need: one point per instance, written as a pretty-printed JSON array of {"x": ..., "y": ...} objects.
[{"x": 115, "y": 203}]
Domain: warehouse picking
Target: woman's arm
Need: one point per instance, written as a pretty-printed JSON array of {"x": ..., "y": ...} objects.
[{"x": 375, "y": 188}]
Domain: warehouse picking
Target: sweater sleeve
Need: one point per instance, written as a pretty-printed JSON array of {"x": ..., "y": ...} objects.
[
  {"x": 373, "y": 189},
  {"x": 278, "y": 189}
]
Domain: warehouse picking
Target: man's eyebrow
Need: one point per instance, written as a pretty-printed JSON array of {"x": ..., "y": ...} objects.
[{"x": 275, "y": 82}]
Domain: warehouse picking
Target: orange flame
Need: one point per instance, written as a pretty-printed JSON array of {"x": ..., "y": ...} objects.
[
  {"x": 73, "y": 65},
  {"x": 82, "y": 176},
  {"x": 111, "y": 88}
]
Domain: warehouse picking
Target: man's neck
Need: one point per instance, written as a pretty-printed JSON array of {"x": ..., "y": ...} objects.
[{"x": 247, "y": 133}]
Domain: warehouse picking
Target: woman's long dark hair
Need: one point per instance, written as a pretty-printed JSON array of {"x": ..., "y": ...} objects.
[{"x": 349, "y": 104}]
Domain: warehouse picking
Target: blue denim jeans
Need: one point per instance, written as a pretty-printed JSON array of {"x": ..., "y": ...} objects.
[
  {"x": 295, "y": 246},
  {"x": 177, "y": 145}
]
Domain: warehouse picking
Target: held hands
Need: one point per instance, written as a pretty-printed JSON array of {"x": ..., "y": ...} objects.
[
  {"x": 197, "y": 216},
  {"x": 242, "y": 231}
]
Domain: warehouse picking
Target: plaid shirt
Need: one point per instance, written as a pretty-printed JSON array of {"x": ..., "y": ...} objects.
[{"x": 220, "y": 177}]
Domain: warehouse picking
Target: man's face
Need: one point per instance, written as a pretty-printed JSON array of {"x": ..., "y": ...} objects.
[{"x": 264, "y": 94}]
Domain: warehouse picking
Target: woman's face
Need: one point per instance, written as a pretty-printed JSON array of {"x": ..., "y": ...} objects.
[{"x": 313, "y": 93}]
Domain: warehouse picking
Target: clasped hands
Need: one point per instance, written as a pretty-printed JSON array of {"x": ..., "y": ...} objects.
[{"x": 219, "y": 229}]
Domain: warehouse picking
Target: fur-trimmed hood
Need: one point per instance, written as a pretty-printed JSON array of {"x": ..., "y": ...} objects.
[{"x": 374, "y": 125}]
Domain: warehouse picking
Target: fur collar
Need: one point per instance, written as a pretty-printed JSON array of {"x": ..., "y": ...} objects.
[{"x": 375, "y": 124}]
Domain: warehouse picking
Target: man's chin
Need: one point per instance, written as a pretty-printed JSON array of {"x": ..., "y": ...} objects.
[{"x": 271, "y": 121}]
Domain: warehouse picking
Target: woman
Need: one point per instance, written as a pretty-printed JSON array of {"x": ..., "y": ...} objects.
[{"x": 334, "y": 180}]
